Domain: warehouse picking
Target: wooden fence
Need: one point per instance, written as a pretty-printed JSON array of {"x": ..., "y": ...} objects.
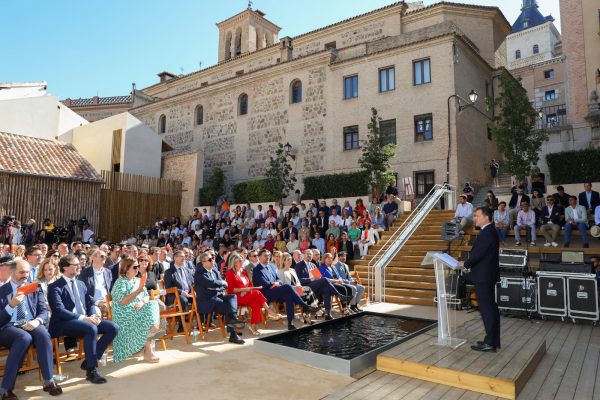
[
  {"x": 30, "y": 196},
  {"x": 129, "y": 201}
]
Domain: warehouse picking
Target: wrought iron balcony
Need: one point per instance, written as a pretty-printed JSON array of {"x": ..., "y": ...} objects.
[{"x": 553, "y": 117}]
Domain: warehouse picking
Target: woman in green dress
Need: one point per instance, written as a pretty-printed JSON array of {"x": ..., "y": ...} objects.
[{"x": 136, "y": 315}]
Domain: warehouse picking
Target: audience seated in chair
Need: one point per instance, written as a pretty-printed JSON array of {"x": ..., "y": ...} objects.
[
  {"x": 575, "y": 217},
  {"x": 525, "y": 219},
  {"x": 73, "y": 315},
  {"x": 551, "y": 217},
  {"x": 464, "y": 213},
  {"x": 22, "y": 319}
]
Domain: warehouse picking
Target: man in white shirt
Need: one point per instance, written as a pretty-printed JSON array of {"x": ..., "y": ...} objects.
[
  {"x": 525, "y": 219},
  {"x": 292, "y": 244},
  {"x": 335, "y": 217},
  {"x": 97, "y": 280},
  {"x": 87, "y": 235},
  {"x": 464, "y": 213}
]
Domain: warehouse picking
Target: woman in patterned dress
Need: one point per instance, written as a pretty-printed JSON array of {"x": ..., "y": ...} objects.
[{"x": 136, "y": 315}]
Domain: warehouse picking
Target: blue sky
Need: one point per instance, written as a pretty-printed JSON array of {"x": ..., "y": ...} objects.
[{"x": 83, "y": 48}]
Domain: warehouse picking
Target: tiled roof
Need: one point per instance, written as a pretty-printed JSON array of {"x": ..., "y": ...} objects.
[
  {"x": 47, "y": 158},
  {"x": 101, "y": 101},
  {"x": 530, "y": 16}
]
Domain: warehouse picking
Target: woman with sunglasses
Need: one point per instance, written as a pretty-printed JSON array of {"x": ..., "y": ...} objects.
[
  {"x": 136, "y": 315},
  {"x": 48, "y": 273}
]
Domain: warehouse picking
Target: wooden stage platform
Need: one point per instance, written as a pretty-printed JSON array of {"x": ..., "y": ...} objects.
[
  {"x": 501, "y": 374},
  {"x": 538, "y": 359}
]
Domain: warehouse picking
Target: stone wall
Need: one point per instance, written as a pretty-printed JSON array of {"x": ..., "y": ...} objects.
[
  {"x": 218, "y": 134},
  {"x": 187, "y": 168},
  {"x": 314, "y": 111}
]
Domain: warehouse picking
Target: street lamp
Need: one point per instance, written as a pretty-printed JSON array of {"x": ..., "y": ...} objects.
[
  {"x": 288, "y": 150},
  {"x": 473, "y": 96}
]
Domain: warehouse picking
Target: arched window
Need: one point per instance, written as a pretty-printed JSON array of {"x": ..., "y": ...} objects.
[
  {"x": 243, "y": 104},
  {"x": 238, "y": 42},
  {"x": 536, "y": 49},
  {"x": 518, "y": 54},
  {"x": 162, "y": 124},
  {"x": 296, "y": 92},
  {"x": 228, "y": 46},
  {"x": 199, "y": 115}
]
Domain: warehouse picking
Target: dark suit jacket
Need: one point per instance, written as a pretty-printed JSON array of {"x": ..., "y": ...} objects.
[
  {"x": 36, "y": 300},
  {"x": 513, "y": 200},
  {"x": 484, "y": 260},
  {"x": 208, "y": 286},
  {"x": 61, "y": 303},
  {"x": 114, "y": 270},
  {"x": 264, "y": 276},
  {"x": 289, "y": 231},
  {"x": 303, "y": 271},
  {"x": 584, "y": 202},
  {"x": 87, "y": 277},
  {"x": 172, "y": 279},
  {"x": 554, "y": 217},
  {"x": 348, "y": 248}
]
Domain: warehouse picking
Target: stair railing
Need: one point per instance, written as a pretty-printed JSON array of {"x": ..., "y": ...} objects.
[{"x": 398, "y": 238}]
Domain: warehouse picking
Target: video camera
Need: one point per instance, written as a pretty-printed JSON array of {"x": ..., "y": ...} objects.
[{"x": 7, "y": 220}]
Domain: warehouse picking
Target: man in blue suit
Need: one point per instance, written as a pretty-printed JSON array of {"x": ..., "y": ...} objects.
[
  {"x": 589, "y": 198},
  {"x": 210, "y": 287},
  {"x": 22, "y": 319},
  {"x": 485, "y": 272},
  {"x": 73, "y": 315},
  {"x": 322, "y": 287},
  {"x": 265, "y": 276}
]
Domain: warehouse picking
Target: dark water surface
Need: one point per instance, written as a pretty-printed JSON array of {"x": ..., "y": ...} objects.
[{"x": 352, "y": 336}]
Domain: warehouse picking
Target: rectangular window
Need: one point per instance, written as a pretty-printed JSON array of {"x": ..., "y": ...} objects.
[
  {"x": 550, "y": 95},
  {"x": 424, "y": 182},
  {"x": 351, "y": 137},
  {"x": 549, "y": 74},
  {"x": 388, "y": 131},
  {"x": 489, "y": 133},
  {"x": 330, "y": 46},
  {"x": 423, "y": 128},
  {"x": 387, "y": 79},
  {"x": 421, "y": 72},
  {"x": 351, "y": 87},
  {"x": 551, "y": 120}
]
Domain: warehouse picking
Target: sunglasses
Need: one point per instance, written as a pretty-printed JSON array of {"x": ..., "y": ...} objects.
[
  {"x": 143, "y": 261},
  {"x": 209, "y": 259},
  {"x": 135, "y": 266},
  {"x": 56, "y": 255},
  {"x": 102, "y": 256},
  {"x": 74, "y": 265}
]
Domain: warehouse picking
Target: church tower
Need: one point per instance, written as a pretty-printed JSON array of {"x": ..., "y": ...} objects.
[{"x": 245, "y": 32}]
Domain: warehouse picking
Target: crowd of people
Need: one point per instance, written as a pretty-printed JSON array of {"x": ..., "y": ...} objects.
[
  {"x": 232, "y": 262},
  {"x": 547, "y": 213}
]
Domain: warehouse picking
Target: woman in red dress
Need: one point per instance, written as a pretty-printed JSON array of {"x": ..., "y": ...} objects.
[{"x": 239, "y": 283}]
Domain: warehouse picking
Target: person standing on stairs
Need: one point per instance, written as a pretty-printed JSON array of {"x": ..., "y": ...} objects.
[{"x": 494, "y": 169}]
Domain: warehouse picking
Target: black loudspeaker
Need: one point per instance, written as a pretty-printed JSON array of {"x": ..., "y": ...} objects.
[
  {"x": 552, "y": 295},
  {"x": 516, "y": 294},
  {"x": 450, "y": 231},
  {"x": 583, "y": 297},
  {"x": 565, "y": 267}
]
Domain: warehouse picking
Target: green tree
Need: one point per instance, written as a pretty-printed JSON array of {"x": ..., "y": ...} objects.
[
  {"x": 376, "y": 156},
  {"x": 513, "y": 128},
  {"x": 213, "y": 188},
  {"x": 280, "y": 180}
]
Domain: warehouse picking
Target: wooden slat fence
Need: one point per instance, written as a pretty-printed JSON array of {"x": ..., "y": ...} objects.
[
  {"x": 128, "y": 201},
  {"x": 29, "y": 196}
]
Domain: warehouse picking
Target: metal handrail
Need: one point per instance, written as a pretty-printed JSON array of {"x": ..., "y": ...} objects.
[{"x": 377, "y": 264}]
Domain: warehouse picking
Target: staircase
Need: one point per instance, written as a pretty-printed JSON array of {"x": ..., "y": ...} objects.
[
  {"x": 407, "y": 281},
  {"x": 505, "y": 183}
]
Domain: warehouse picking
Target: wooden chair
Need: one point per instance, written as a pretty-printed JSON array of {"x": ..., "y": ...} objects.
[
  {"x": 356, "y": 276},
  {"x": 205, "y": 326},
  {"x": 59, "y": 357},
  {"x": 173, "y": 313},
  {"x": 107, "y": 312},
  {"x": 29, "y": 361},
  {"x": 155, "y": 295}
]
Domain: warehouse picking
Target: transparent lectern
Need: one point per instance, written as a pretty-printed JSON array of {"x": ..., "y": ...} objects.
[{"x": 446, "y": 278}]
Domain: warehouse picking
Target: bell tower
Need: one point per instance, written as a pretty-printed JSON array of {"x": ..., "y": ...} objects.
[{"x": 246, "y": 32}]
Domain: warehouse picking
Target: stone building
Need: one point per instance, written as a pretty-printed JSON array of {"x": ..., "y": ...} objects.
[
  {"x": 534, "y": 54},
  {"x": 580, "y": 28},
  {"x": 316, "y": 90}
]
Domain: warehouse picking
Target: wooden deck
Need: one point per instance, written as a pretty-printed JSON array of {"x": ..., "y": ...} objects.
[{"x": 569, "y": 370}]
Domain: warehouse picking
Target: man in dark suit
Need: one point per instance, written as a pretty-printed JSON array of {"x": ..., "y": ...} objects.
[
  {"x": 485, "y": 272},
  {"x": 265, "y": 276},
  {"x": 73, "y": 315},
  {"x": 589, "y": 198},
  {"x": 321, "y": 287},
  {"x": 514, "y": 205},
  {"x": 551, "y": 217},
  {"x": 97, "y": 280},
  {"x": 210, "y": 288},
  {"x": 322, "y": 222},
  {"x": 289, "y": 230},
  {"x": 22, "y": 319},
  {"x": 180, "y": 277}
]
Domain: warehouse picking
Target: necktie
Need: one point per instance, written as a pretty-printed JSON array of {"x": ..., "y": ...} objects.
[
  {"x": 77, "y": 299},
  {"x": 21, "y": 313}
]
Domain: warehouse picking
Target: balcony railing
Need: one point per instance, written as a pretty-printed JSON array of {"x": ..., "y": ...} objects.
[{"x": 553, "y": 117}]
